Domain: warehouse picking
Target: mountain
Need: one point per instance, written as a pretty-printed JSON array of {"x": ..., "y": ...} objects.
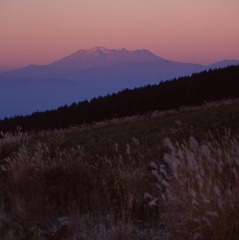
[
  {"x": 224, "y": 63},
  {"x": 84, "y": 75}
]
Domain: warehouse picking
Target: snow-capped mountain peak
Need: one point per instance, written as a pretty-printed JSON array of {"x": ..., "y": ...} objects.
[{"x": 103, "y": 57}]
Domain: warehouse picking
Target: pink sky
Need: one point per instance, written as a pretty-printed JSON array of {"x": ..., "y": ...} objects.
[{"x": 42, "y": 31}]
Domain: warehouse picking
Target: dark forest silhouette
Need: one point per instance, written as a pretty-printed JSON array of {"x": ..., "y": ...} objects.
[{"x": 211, "y": 85}]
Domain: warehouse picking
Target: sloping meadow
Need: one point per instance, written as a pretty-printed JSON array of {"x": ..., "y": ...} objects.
[{"x": 176, "y": 184}]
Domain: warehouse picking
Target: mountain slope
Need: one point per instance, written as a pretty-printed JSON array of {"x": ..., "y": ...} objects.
[
  {"x": 84, "y": 75},
  {"x": 207, "y": 86}
]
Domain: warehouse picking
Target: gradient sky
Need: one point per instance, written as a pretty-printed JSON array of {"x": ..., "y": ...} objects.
[{"x": 42, "y": 31}]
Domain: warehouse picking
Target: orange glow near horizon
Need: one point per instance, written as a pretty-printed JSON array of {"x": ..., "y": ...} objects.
[{"x": 42, "y": 31}]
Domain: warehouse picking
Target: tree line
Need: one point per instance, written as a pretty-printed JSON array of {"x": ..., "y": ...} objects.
[{"x": 211, "y": 85}]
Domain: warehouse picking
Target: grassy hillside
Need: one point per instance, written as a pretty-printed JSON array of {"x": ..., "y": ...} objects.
[{"x": 167, "y": 175}]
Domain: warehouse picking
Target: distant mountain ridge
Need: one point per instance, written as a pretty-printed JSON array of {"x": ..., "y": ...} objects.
[
  {"x": 86, "y": 74},
  {"x": 224, "y": 63},
  {"x": 96, "y": 57}
]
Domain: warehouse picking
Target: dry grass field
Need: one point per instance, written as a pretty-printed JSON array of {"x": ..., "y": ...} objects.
[{"x": 171, "y": 175}]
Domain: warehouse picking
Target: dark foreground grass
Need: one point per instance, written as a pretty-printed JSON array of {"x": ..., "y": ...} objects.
[{"x": 123, "y": 180}]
